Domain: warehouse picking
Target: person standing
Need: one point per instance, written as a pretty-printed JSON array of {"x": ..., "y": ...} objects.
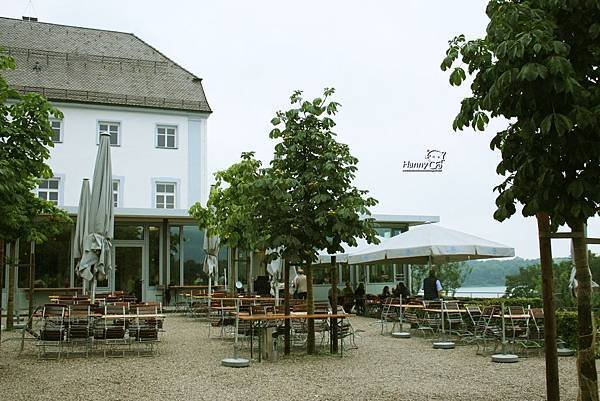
[
  {"x": 359, "y": 297},
  {"x": 300, "y": 285},
  {"x": 348, "y": 297},
  {"x": 432, "y": 288}
]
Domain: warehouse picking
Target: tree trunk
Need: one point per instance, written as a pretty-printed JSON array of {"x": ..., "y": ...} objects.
[
  {"x": 586, "y": 364},
  {"x": 552, "y": 388},
  {"x": 2, "y": 261},
  {"x": 286, "y": 307},
  {"x": 334, "y": 297},
  {"x": 310, "y": 309},
  {"x": 10, "y": 302}
]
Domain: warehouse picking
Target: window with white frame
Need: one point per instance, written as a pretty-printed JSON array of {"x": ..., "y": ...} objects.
[
  {"x": 166, "y": 136},
  {"x": 57, "y": 130},
  {"x": 49, "y": 190},
  {"x": 111, "y": 128},
  {"x": 165, "y": 195},
  {"x": 116, "y": 184}
]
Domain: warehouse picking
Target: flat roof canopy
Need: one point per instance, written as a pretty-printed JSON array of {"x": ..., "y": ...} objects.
[{"x": 182, "y": 215}]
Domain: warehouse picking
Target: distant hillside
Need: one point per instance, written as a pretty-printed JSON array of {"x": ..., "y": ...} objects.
[{"x": 488, "y": 273}]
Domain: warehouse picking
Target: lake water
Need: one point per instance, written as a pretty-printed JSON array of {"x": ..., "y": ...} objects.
[{"x": 481, "y": 292}]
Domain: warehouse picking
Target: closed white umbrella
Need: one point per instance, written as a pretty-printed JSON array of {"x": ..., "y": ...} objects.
[
  {"x": 274, "y": 270},
  {"x": 82, "y": 226},
  {"x": 96, "y": 262},
  {"x": 211, "y": 257},
  {"x": 431, "y": 243}
]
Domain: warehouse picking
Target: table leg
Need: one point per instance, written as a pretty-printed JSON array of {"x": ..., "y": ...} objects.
[{"x": 251, "y": 338}]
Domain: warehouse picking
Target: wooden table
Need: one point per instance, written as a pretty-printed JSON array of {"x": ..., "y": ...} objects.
[{"x": 280, "y": 316}]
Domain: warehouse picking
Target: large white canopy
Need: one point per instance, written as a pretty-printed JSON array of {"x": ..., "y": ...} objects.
[
  {"x": 431, "y": 243},
  {"x": 342, "y": 257}
]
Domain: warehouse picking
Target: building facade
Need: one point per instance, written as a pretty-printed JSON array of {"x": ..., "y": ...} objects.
[{"x": 156, "y": 114}]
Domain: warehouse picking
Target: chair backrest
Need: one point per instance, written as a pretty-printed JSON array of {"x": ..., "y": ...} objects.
[
  {"x": 147, "y": 310},
  {"x": 113, "y": 309},
  {"x": 79, "y": 311},
  {"x": 54, "y": 311},
  {"x": 516, "y": 310}
]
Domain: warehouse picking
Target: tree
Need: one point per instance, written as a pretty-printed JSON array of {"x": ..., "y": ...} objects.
[
  {"x": 25, "y": 139},
  {"x": 451, "y": 276},
  {"x": 318, "y": 207},
  {"x": 537, "y": 66},
  {"x": 232, "y": 207}
]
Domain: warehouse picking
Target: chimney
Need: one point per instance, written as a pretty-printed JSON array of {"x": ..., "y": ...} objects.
[{"x": 31, "y": 19}]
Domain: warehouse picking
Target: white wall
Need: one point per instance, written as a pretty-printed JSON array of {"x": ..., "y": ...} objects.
[{"x": 136, "y": 159}]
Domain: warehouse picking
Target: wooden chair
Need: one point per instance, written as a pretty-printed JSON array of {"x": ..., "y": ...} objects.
[
  {"x": 53, "y": 330},
  {"x": 79, "y": 328},
  {"x": 110, "y": 331}
]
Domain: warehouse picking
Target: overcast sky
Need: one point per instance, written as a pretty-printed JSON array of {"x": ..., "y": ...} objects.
[{"x": 383, "y": 59}]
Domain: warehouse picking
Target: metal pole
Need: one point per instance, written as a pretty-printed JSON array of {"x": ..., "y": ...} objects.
[
  {"x": 286, "y": 306},
  {"x": 31, "y": 277}
]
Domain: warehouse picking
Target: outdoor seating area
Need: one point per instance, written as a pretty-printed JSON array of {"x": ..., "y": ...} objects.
[
  {"x": 378, "y": 361},
  {"x": 110, "y": 327},
  {"x": 491, "y": 328}
]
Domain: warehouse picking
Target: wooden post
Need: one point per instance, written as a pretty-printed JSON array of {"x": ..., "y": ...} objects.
[
  {"x": 552, "y": 388},
  {"x": 10, "y": 302},
  {"x": 1, "y": 282},
  {"x": 310, "y": 309},
  {"x": 31, "y": 277},
  {"x": 286, "y": 307},
  {"x": 334, "y": 298},
  {"x": 586, "y": 364}
]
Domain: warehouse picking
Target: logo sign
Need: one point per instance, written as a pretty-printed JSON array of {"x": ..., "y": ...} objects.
[{"x": 432, "y": 163}]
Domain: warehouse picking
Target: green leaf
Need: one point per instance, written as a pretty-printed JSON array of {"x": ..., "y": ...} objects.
[
  {"x": 562, "y": 123},
  {"x": 594, "y": 30},
  {"x": 276, "y": 121}
]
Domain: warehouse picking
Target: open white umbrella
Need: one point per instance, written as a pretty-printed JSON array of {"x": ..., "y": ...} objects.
[
  {"x": 82, "y": 225},
  {"x": 431, "y": 243},
  {"x": 211, "y": 258},
  {"x": 96, "y": 262},
  {"x": 342, "y": 257}
]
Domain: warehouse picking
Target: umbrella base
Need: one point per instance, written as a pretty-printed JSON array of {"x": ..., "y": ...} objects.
[
  {"x": 505, "y": 358},
  {"x": 401, "y": 334},
  {"x": 235, "y": 362},
  {"x": 443, "y": 345},
  {"x": 565, "y": 352}
]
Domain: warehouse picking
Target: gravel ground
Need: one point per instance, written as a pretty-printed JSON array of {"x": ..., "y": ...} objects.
[{"x": 188, "y": 368}]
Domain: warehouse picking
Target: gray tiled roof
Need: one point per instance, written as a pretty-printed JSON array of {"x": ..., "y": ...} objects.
[{"x": 83, "y": 65}]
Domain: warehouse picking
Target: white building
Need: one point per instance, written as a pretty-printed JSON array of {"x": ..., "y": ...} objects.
[{"x": 156, "y": 113}]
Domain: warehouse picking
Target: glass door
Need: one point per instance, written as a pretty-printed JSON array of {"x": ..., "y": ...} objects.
[{"x": 128, "y": 269}]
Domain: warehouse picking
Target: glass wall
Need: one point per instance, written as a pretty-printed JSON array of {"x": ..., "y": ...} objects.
[
  {"x": 321, "y": 274},
  {"x": 193, "y": 256},
  {"x": 345, "y": 276},
  {"x": 174, "y": 255},
  {"x": 153, "y": 255},
  {"x": 24, "y": 252},
  {"x": 52, "y": 260},
  {"x": 129, "y": 231},
  {"x": 244, "y": 267},
  {"x": 381, "y": 273}
]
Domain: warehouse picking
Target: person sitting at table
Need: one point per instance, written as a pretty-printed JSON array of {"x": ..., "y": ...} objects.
[
  {"x": 401, "y": 291},
  {"x": 359, "y": 299},
  {"x": 348, "y": 297},
  {"x": 385, "y": 293},
  {"x": 432, "y": 288}
]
